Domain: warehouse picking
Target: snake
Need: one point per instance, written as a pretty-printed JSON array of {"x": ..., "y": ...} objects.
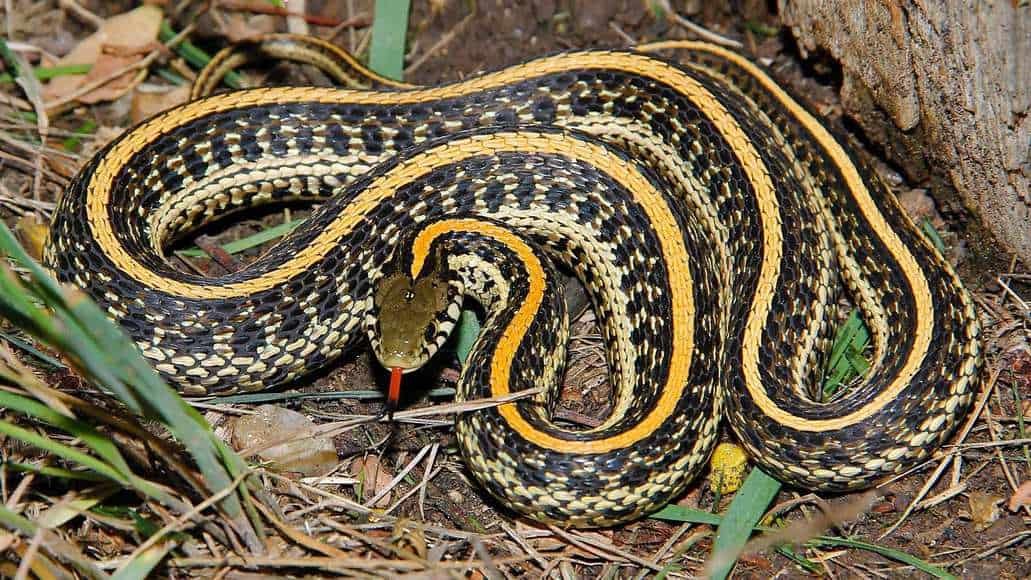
[{"x": 715, "y": 223}]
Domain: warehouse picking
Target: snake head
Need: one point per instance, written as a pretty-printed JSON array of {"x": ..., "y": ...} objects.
[{"x": 411, "y": 318}]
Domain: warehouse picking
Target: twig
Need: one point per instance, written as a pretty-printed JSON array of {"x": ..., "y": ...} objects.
[
  {"x": 217, "y": 253},
  {"x": 1005, "y": 543},
  {"x": 334, "y": 564},
  {"x": 1009, "y": 291},
  {"x": 397, "y": 478},
  {"x": 9, "y": 20},
  {"x": 521, "y": 541},
  {"x": 81, "y": 13},
  {"x": 419, "y": 488},
  {"x": 699, "y": 31},
  {"x": 298, "y": 537},
  {"x": 601, "y": 548},
  {"x": 629, "y": 40},
  {"x": 440, "y": 44},
  {"x": 666, "y": 546},
  {"x": 426, "y": 479},
  {"x": 998, "y": 450},
  {"x": 29, "y": 555}
]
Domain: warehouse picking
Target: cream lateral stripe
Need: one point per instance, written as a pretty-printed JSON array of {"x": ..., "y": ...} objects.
[
  {"x": 921, "y": 292},
  {"x": 675, "y": 257},
  {"x": 635, "y": 64},
  {"x": 103, "y": 177}
]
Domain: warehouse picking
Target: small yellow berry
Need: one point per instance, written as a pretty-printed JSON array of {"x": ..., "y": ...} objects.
[{"x": 728, "y": 465}]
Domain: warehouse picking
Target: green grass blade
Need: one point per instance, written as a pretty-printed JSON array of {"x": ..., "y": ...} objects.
[
  {"x": 88, "y": 127},
  {"x": 196, "y": 56},
  {"x": 892, "y": 553},
  {"x": 749, "y": 505},
  {"x": 83, "y": 501},
  {"x": 109, "y": 456},
  {"x": 676, "y": 513},
  {"x": 141, "y": 567},
  {"x": 45, "y": 73},
  {"x": 77, "y": 326},
  {"x": 248, "y": 242},
  {"x": 691, "y": 515},
  {"x": 389, "y": 30},
  {"x": 84, "y": 459},
  {"x": 51, "y": 471},
  {"x": 35, "y": 352},
  {"x": 928, "y": 228},
  {"x": 465, "y": 334},
  {"x": 847, "y": 361},
  {"x": 60, "y": 549}
]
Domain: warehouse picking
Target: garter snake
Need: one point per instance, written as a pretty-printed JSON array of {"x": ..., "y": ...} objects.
[{"x": 704, "y": 210}]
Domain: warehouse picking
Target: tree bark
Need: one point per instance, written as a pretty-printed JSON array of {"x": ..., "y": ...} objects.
[{"x": 944, "y": 86}]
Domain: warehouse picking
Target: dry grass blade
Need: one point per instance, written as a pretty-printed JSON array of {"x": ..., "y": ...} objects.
[
  {"x": 699, "y": 31},
  {"x": 338, "y": 427},
  {"x": 299, "y": 538}
]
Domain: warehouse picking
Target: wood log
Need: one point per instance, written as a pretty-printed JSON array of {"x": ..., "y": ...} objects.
[{"x": 944, "y": 86}]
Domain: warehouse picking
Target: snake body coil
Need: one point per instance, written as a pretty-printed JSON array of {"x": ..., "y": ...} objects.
[{"x": 701, "y": 206}]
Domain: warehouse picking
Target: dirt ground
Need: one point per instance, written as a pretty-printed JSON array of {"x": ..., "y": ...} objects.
[{"x": 959, "y": 519}]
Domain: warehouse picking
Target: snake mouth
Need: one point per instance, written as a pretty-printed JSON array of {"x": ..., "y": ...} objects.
[{"x": 404, "y": 362}]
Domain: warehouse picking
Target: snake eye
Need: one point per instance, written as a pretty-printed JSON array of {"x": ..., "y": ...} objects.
[{"x": 409, "y": 295}]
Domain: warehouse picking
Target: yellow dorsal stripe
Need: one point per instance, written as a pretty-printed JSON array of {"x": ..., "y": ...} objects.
[
  {"x": 918, "y": 283},
  {"x": 383, "y": 187}
]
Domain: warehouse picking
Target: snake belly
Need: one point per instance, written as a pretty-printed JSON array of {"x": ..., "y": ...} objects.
[{"x": 704, "y": 209}]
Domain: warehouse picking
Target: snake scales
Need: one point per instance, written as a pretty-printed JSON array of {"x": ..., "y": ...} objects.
[{"x": 705, "y": 211}]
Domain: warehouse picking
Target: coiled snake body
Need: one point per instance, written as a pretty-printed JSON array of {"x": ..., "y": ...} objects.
[{"x": 704, "y": 210}]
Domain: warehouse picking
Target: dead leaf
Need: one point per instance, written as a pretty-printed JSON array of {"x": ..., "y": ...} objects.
[
  {"x": 1021, "y": 497},
  {"x": 63, "y": 166},
  {"x": 984, "y": 509},
  {"x": 146, "y": 104},
  {"x": 374, "y": 477},
  {"x": 409, "y": 537},
  {"x": 285, "y": 438},
  {"x": 240, "y": 26},
  {"x": 122, "y": 40},
  {"x": 33, "y": 234}
]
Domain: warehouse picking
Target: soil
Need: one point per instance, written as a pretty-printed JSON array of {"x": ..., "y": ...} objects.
[{"x": 953, "y": 531}]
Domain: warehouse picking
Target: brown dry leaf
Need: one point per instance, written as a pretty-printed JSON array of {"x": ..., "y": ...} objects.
[
  {"x": 63, "y": 166},
  {"x": 984, "y": 509},
  {"x": 285, "y": 439},
  {"x": 409, "y": 537},
  {"x": 146, "y": 104},
  {"x": 919, "y": 205},
  {"x": 1021, "y": 497},
  {"x": 33, "y": 234},
  {"x": 120, "y": 42},
  {"x": 240, "y": 26},
  {"x": 375, "y": 477}
]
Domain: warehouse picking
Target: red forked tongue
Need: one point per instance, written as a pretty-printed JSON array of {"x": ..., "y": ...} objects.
[{"x": 394, "y": 392}]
